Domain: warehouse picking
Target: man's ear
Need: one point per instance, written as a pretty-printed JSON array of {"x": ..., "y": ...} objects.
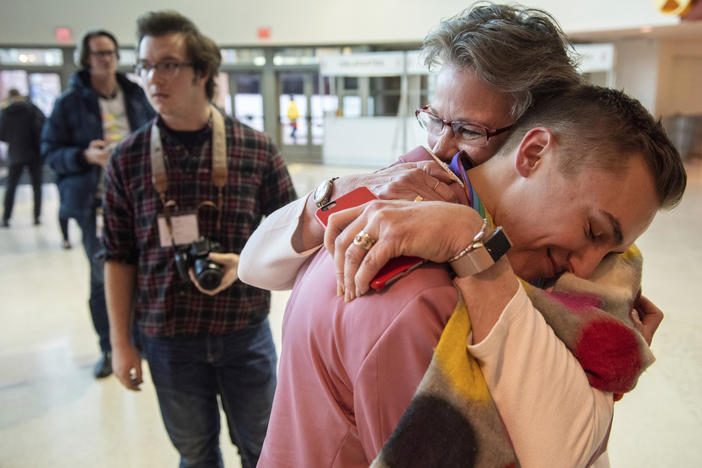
[
  {"x": 200, "y": 78},
  {"x": 533, "y": 147}
]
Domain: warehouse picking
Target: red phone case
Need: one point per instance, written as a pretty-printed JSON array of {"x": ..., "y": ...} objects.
[
  {"x": 355, "y": 197},
  {"x": 397, "y": 267}
]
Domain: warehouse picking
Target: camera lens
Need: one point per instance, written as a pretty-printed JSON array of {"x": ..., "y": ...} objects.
[{"x": 208, "y": 273}]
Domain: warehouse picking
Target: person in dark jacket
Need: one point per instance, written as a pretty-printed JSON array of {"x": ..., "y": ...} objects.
[
  {"x": 20, "y": 127},
  {"x": 101, "y": 108}
]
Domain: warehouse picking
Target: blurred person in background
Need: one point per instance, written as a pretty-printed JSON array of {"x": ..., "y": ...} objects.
[
  {"x": 101, "y": 107},
  {"x": 20, "y": 127},
  {"x": 293, "y": 114}
]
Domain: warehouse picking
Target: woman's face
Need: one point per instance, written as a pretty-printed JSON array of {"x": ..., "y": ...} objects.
[{"x": 462, "y": 96}]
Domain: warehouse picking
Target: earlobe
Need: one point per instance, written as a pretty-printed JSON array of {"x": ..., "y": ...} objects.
[
  {"x": 199, "y": 76},
  {"x": 532, "y": 149}
]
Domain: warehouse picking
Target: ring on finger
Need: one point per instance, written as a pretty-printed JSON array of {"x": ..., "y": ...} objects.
[
  {"x": 436, "y": 185},
  {"x": 418, "y": 198},
  {"x": 363, "y": 240}
]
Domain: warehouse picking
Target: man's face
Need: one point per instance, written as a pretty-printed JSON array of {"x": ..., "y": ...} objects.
[
  {"x": 561, "y": 223},
  {"x": 175, "y": 94},
  {"x": 461, "y": 95},
  {"x": 102, "y": 56}
]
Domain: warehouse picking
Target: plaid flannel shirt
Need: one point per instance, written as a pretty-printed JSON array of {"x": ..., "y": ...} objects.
[{"x": 258, "y": 183}]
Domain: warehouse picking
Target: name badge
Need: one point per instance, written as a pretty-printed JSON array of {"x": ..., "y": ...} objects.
[{"x": 185, "y": 229}]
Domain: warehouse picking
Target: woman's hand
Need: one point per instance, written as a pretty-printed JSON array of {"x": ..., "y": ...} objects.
[
  {"x": 405, "y": 181},
  {"x": 408, "y": 180},
  {"x": 435, "y": 231}
]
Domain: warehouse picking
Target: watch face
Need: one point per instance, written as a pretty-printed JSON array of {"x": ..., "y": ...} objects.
[
  {"x": 498, "y": 244},
  {"x": 322, "y": 192}
]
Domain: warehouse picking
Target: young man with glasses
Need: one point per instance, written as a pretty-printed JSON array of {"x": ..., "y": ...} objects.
[
  {"x": 99, "y": 110},
  {"x": 189, "y": 180}
]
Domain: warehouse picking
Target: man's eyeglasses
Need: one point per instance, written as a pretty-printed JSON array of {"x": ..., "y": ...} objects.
[
  {"x": 167, "y": 69},
  {"x": 475, "y": 134},
  {"x": 103, "y": 53}
]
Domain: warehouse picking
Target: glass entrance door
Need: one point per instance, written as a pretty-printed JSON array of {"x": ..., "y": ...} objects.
[
  {"x": 303, "y": 101},
  {"x": 248, "y": 100},
  {"x": 239, "y": 94},
  {"x": 42, "y": 88}
]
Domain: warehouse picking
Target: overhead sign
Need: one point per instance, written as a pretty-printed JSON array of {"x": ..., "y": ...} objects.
[
  {"x": 373, "y": 64},
  {"x": 415, "y": 63},
  {"x": 595, "y": 57},
  {"x": 363, "y": 64}
]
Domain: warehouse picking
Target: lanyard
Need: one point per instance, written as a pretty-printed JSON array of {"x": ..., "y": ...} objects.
[
  {"x": 458, "y": 166},
  {"x": 219, "y": 166}
]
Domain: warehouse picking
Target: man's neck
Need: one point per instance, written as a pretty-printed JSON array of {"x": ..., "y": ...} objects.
[
  {"x": 104, "y": 85},
  {"x": 489, "y": 181},
  {"x": 191, "y": 121}
]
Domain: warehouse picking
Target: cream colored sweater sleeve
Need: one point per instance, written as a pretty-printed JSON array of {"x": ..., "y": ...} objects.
[
  {"x": 553, "y": 416},
  {"x": 268, "y": 259}
]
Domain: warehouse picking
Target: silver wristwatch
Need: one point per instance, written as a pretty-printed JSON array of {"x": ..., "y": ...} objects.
[
  {"x": 481, "y": 254},
  {"x": 323, "y": 192}
]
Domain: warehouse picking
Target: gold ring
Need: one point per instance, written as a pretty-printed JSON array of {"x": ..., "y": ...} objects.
[
  {"x": 418, "y": 198},
  {"x": 363, "y": 240},
  {"x": 436, "y": 185}
]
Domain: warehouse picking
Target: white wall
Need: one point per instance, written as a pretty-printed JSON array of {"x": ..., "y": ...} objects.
[
  {"x": 636, "y": 69},
  {"x": 680, "y": 78},
  {"x": 235, "y": 22},
  {"x": 369, "y": 142},
  {"x": 664, "y": 74}
]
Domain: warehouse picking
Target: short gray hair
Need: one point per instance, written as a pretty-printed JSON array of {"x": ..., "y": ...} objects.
[{"x": 518, "y": 51}]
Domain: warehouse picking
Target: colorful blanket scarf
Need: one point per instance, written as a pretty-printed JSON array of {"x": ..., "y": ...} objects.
[{"x": 453, "y": 421}]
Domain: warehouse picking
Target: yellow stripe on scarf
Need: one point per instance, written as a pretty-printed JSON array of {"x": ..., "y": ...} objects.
[
  {"x": 631, "y": 252},
  {"x": 454, "y": 360}
]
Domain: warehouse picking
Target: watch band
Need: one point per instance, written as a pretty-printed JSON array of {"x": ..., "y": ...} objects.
[
  {"x": 323, "y": 192},
  {"x": 481, "y": 254}
]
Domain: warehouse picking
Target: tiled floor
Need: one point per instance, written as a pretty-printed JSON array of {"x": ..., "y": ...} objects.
[{"x": 53, "y": 414}]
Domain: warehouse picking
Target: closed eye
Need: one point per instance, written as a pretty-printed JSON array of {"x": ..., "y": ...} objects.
[
  {"x": 469, "y": 131},
  {"x": 590, "y": 234}
]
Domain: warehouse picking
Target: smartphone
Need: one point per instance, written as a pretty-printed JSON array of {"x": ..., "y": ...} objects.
[
  {"x": 356, "y": 197},
  {"x": 397, "y": 267}
]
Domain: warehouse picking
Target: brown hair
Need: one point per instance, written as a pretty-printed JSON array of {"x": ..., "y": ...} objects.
[
  {"x": 521, "y": 52},
  {"x": 202, "y": 51},
  {"x": 601, "y": 128},
  {"x": 84, "y": 51}
]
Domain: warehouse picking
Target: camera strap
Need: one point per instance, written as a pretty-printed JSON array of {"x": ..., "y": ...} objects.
[{"x": 219, "y": 167}]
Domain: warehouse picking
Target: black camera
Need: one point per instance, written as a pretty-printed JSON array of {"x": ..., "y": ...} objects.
[{"x": 208, "y": 273}]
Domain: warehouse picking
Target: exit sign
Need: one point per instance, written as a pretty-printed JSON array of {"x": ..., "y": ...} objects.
[{"x": 63, "y": 34}]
